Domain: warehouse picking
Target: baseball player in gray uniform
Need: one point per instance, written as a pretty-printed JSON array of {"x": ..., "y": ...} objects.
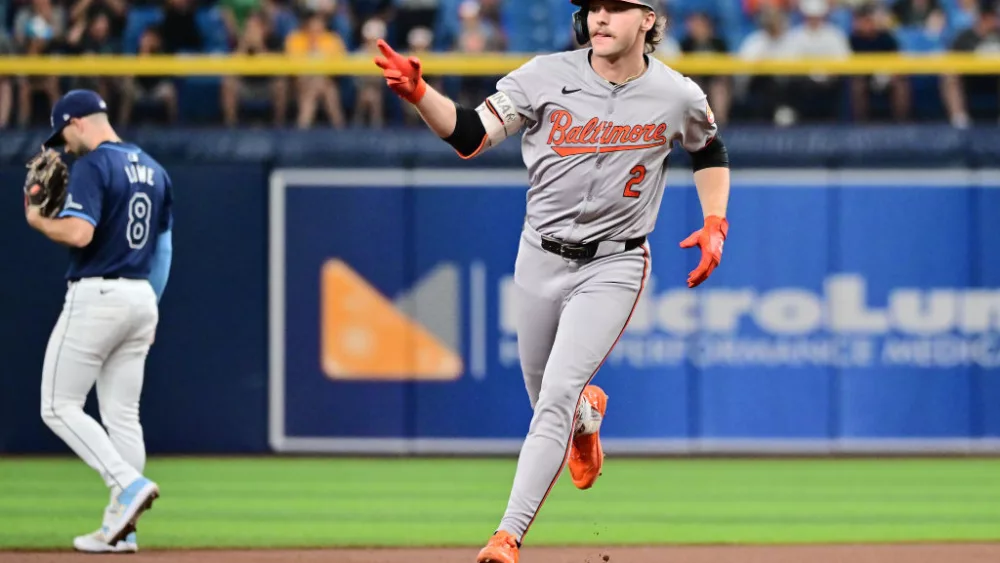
[{"x": 599, "y": 124}]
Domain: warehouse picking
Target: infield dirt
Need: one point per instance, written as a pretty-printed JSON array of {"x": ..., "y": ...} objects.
[{"x": 880, "y": 553}]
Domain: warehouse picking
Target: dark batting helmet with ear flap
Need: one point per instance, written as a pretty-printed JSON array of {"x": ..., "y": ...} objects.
[{"x": 580, "y": 17}]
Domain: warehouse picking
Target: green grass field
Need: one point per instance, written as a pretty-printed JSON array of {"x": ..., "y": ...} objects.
[{"x": 311, "y": 502}]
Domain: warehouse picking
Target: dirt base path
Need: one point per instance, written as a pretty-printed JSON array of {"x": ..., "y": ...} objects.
[{"x": 909, "y": 553}]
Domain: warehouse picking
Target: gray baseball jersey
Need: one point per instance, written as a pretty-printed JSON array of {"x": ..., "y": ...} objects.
[{"x": 597, "y": 153}]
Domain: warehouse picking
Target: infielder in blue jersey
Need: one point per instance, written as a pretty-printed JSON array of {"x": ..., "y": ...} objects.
[{"x": 116, "y": 220}]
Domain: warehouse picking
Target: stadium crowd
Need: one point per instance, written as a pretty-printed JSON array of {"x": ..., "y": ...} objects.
[{"x": 746, "y": 28}]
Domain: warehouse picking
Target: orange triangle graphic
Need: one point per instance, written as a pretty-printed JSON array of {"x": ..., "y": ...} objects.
[{"x": 364, "y": 337}]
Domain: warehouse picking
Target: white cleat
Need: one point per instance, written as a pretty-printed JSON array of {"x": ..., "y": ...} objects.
[
  {"x": 97, "y": 542},
  {"x": 131, "y": 503}
]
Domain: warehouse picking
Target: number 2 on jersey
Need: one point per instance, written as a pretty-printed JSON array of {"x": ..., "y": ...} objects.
[
  {"x": 636, "y": 176},
  {"x": 139, "y": 212}
]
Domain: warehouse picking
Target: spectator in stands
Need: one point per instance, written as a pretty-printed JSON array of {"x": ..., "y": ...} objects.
[
  {"x": 179, "y": 31},
  {"x": 914, "y": 12},
  {"x": 871, "y": 35},
  {"x": 6, "y": 88},
  {"x": 701, "y": 38},
  {"x": 336, "y": 14},
  {"x": 419, "y": 41},
  {"x": 816, "y": 96},
  {"x": 326, "y": 8},
  {"x": 6, "y": 101},
  {"x": 753, "y": 8},
  {"x": 840, "y": 13},
  {"x": 669, "y": 48},
  {"x": 257, "y": 37},
  {"x": 235, "y": 14},
  {"x": 413, "y": 14},
  {"x": 934, "y": 30},
  {"x": 4, "y": 22},
  {"x": 114, "y": 10},
  {"x": 491, "y": 13},
  {"x": 963, "y": 15},
  {"x": 766, "y": 96},
  {"x": 926, "y": 38},
  {"x": 361, "y": 11},
  {"x": 158, "y": 90},
  {"x": 369, "y": 107},
  {"x": 982, "y": 38},
  {"x": 476, "y": 37},
  {"x": 314, "y": 39},
  {"x": 39, "y": 29},
  {"x": 41, "y": 22},
  {"x": 93, "y": 37},
  {"x": 278, "y": 17}
]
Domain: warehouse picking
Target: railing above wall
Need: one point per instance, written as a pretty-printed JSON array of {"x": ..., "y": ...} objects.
[{"x": 760, "y": 146}]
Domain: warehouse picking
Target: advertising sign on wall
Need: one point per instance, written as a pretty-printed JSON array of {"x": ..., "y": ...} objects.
[{"x": 852, "y": 309}]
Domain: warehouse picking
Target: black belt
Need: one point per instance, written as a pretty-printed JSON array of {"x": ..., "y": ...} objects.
[
  {"x": 582, "y": 251},
  {"x": 102, "y": 277}
]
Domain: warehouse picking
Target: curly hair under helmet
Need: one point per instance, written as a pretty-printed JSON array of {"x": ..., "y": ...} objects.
[{"x": 653, "y": 37}]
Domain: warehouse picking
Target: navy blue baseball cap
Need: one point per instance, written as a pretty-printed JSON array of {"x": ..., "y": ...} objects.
[{"x": 75, "y": 104}]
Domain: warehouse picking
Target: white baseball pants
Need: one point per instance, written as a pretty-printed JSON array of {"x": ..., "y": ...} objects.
[{"x": 102, "y": 336}]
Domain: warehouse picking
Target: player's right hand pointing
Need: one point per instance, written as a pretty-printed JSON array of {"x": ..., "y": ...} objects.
[{"x": 402, "y": 74}]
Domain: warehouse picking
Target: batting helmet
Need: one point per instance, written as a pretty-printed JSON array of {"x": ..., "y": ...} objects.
[{"x": 580, "y": 17}]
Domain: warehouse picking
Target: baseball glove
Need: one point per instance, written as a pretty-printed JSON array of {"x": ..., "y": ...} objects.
[{"x": 45, "y": 184}]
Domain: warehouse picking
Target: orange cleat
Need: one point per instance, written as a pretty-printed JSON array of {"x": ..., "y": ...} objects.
[
  {"x": 586, "y": 457},
  {"x": 502, "y": 548}
]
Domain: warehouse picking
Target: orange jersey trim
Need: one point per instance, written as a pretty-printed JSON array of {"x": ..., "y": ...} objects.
[{"x": 570, "y": 151}]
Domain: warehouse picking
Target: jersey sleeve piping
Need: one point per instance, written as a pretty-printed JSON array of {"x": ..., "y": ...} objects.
[{"x": 78, "y": 215}]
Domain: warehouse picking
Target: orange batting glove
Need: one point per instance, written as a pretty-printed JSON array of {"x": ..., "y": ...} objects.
[
  {"x": 401, "y": 74},
  {"x": 710, "y": 239}
]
